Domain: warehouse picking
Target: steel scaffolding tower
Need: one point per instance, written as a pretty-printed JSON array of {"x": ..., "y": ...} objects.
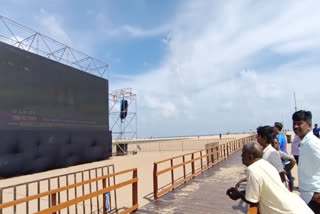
[{"x": 123, "y": 128}]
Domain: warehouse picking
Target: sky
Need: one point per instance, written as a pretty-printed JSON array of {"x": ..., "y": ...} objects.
[{"x": 197, "y": 67}]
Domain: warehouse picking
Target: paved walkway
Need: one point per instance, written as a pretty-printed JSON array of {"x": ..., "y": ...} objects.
[{"x": 204, "y": 194}]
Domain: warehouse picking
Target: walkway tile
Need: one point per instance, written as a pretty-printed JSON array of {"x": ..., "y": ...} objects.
[{"x": 204, "y": 194}]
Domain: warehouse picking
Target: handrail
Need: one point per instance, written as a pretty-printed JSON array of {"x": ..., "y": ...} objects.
[
  {"x": 57, "y": 176},
  {"x": 174, "y": 157},
  {"x": 88, "y": 196},
  {"x": 213, "y": 155},
  {"x": 53, "y": 193},
  {"x": 58, "y": 181},
  {"x": 253, "y": 210}
]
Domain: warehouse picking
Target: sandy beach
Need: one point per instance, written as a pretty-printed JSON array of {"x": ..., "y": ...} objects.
[{"x": 152, "y": 150}]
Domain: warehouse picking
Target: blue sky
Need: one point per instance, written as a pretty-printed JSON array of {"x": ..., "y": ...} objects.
[{"x": 197, "y": 67}]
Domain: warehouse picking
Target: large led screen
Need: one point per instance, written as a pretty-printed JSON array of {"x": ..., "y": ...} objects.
[{"x": 39, "y": 93}]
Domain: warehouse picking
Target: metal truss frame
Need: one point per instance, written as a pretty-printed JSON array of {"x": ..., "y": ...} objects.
[
  {"x": 126, "y": 128},
  {"x": 29, "y": 40}
]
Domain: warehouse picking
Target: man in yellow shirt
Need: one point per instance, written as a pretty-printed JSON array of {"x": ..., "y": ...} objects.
[{"x": 264, "y": 186}]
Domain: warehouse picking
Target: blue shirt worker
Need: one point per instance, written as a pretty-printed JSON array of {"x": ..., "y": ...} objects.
[
  {"x": 316, "y": 130},
  {"x": 277, "y": 128}
]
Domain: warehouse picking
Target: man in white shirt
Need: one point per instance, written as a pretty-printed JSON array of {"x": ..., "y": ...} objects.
[
  {"x": 288, "y": 161},
  {"x": 295, "y": 148},
  {"x": 264, "y": 186},
  {"x": 265, "y": 139},
  {"x": 309, "y": 160}
]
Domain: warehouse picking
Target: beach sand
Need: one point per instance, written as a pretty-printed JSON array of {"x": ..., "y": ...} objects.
[{"x": 152, "y": 150}]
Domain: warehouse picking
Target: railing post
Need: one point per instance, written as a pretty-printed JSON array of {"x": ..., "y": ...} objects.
[
  {"x": 1, "y": 192},
  {"x": 217, "y": 149},
  {"x": 223, "y": 151},
  {"x": 201, "y": 161},
  {"x": 135, "y": 189},
  {"x": 54, "y": 200},
  {"x": 104, "y": 185},
  {"x": 172, "y": 174},
  {"x": 212, "y": 156},
  {"x": 155, "y": 181},
  {"x": 184, "y": 168},
  {"x": 233, "y": 146},
  {"x": 192, "y": 164}
]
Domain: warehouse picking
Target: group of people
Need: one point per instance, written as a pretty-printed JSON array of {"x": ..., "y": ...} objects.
[{"x": 269, "y": 167}]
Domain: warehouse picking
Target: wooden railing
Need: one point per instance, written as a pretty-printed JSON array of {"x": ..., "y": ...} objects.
[
  {"x": 54, "y": 206},
  {"x": 33, "y": 187},
  {"x": 253, "y": 210},
  {"x": 197, "y": 162}
]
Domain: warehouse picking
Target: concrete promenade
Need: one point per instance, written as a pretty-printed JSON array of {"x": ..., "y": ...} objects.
[{"x": 204, "y": 194}]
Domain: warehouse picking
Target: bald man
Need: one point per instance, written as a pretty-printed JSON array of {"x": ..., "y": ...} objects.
[{"x": 264, "y": 187}]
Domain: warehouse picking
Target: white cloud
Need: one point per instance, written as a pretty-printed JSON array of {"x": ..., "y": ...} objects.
[
  {"x": 229, "y": 65},
  {"x": 141, "y": 33},
  {"x": 112, "y": 31},
  {"x": 165, "y": 109},
  {"x": 209, "y": 82},
  {"x": 52, "y": 26}
]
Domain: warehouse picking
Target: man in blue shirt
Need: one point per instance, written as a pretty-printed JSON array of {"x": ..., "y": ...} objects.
[
  {"x": 282, "y": 140},
  {"x": 309, "y": 160},
  {"x": 316, "y": 130},
  {"x": 277, "y": 128}
]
